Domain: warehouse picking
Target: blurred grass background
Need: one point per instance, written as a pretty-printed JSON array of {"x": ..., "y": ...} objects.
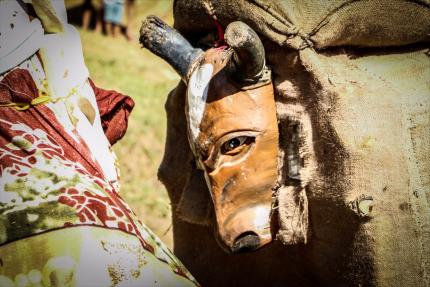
[{"x": 117, "y": 64}]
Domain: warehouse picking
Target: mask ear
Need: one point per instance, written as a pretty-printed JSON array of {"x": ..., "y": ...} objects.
[
  {"x": 195, "y": 203},
  {"x": 296, "y": 168},
  {"x": 185, "y": 184}
]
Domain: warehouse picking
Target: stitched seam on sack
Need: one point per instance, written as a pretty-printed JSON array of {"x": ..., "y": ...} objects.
[
  {"x": 275, "y": 15},
  {"x": 324, "y": 21}
]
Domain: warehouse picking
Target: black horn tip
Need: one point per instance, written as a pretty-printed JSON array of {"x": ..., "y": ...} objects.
[
  {"x": 249, "y": 51},
  {"x": 153, "y": 30},
  {"x": 166, "y": 42},
  {"x": 237, "y": 34}
]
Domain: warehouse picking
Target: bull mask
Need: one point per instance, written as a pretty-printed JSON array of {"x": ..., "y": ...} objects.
[{"x": 232, "y": 126}]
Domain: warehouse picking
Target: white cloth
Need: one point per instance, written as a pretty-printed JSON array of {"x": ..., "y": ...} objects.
[
  {"x": 67, "y": 78},
  {"x": 19, "y": 37}
]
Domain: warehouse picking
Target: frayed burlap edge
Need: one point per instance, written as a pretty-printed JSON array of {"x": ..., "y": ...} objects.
[{"x": 291, "y": 201}]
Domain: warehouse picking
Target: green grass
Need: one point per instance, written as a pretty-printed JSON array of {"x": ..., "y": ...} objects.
[{"x": 117, "y": 64}]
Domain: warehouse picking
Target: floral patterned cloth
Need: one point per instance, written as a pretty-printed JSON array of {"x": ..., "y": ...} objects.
[{"x": 62, "y": 221}]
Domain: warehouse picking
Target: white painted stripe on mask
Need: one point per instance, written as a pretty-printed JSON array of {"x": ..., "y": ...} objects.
[{"x": 197, "y": 94}]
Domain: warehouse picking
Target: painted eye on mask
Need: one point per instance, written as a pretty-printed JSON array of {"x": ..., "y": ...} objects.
[
  {"x": 236, "y": 145},
  {"x": 230, "y": 147}
]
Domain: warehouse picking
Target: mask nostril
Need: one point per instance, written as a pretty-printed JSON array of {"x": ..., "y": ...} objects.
[{"x": 246, "y": 242}]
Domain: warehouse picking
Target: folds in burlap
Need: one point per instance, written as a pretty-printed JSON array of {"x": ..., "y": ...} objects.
[{"x": 301, "y": 23}]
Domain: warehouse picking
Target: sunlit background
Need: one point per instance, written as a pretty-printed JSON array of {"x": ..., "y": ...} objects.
[{"x": 122, "y": 65}]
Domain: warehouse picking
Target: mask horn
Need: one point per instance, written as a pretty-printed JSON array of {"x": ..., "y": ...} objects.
[
  {"x": 167, "y": 43},
  {"x": 249, "y": 56}
]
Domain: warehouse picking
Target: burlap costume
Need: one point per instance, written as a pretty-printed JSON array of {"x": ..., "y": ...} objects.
[{"x": 353, "y": 104}]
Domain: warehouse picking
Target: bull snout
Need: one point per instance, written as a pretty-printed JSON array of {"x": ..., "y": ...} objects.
[
  {"x": 246, "y": 230},
  {"x": 248, "y": 241}
]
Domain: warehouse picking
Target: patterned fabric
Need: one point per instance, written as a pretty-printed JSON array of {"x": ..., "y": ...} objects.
[{"x": 58, "y": 178}]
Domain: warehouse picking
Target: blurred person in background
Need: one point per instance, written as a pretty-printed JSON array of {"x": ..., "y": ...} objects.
[
  {"x": 92, "y": 7},
  {"x": 128, "y": 16},
  {"x": 113, "y": 16}
]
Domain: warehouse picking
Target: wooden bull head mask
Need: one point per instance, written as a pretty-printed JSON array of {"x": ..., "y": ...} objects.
[{"x": 232, "y": 126}]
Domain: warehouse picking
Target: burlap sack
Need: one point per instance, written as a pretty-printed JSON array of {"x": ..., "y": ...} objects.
[
  {"x": 302, "y": 23},
  {"x": 379, "y": 107}
]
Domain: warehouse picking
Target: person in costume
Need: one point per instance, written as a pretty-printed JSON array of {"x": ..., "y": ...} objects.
[{"x": 62, "y": 220}]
